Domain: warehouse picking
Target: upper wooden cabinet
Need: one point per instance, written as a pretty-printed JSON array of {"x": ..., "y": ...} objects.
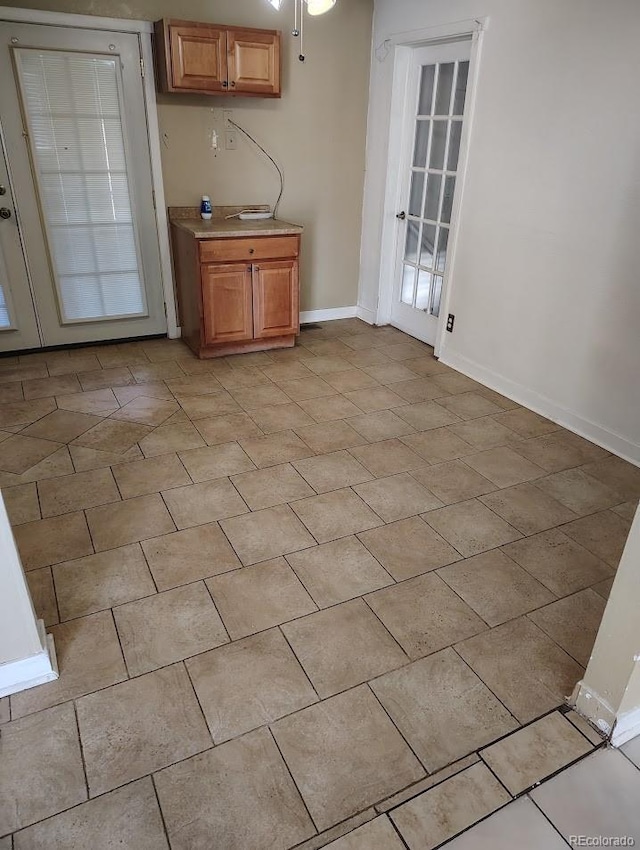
[{"x": 220, "y": 60}]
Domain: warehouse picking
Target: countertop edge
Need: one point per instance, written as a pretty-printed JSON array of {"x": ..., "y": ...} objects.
[{"x": 223, "y": 229}]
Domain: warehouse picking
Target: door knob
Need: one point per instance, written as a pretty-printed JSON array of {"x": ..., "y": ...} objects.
[
  {"x": 5, "y": 212},
  {"x": 402, "y": 215}
]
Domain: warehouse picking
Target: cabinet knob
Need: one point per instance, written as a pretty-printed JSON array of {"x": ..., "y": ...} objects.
[
  {"x": 233, "y": 84},
  {"x": 224, "y": 84},
  {"x": 249, "y": 268},
  {"x": 252, "y": 250}
]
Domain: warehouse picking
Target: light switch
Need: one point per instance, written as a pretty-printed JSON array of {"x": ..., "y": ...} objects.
[{"x": 228, "y": 116}]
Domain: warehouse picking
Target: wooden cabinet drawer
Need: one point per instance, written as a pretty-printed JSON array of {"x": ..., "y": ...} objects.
[{"x": 247, "y": 249}]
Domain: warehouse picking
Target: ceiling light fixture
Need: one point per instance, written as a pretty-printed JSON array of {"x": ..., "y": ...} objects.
[{"x": 313, "y": 7}]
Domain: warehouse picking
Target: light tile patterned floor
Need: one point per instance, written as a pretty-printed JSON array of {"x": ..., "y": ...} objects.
[{"x": 264, "y": 572}]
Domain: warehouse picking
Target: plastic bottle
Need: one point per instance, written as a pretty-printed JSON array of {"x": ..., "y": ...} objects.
[{"x": 205, "y": 208}]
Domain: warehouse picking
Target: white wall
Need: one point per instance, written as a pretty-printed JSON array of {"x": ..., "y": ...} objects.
[{"x": 546, "y": 289}]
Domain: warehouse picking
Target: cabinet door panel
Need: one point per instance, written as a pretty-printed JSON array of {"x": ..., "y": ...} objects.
[
  {"x": 227, "y": 303},
  {"x": 198, "y": 58},
  {"x": 276, "y": 301},
  {"x": 254, "y": 62}
]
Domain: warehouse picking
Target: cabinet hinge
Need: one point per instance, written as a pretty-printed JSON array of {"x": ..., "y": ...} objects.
[{"x": 142, "y": 67}]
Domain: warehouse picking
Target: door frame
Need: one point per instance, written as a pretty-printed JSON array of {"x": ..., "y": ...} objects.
[
  {"x": 401, "y": 47},
  {"x": 144, "y": 30}
]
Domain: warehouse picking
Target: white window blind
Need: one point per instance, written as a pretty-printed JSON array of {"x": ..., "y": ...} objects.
[
  {"x": 73, "y": 109},
  {"x": 5, "y": 320}
]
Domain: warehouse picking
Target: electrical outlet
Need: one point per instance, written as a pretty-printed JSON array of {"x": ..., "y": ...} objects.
[
  {"x": 228, "y": 116},
  {"x": 450, "y": 322},
  {"x": 231, "y": 140}
]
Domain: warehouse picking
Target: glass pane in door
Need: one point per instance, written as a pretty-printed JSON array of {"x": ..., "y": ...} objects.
[
  {"x": 73, "y": 109},
  {"x": 5, "y": 318}
]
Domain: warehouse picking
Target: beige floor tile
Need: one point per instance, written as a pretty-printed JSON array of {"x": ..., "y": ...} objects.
[
  {"x": 103, "y": 378},
  {"x": 275, "y": 485},
  {"x": 453, "y": 482},
  {"x": 126, "y": 394},
  {"x": 330, "y": 436},
  {"x": 579, "y": 491},
  {"x": 374, "y": 399},
  {"x": 253, "y": 358},
  {"x": 471, "y": 527},
  {"x": 22, "y": 372},
  {"x": 604, "y": 587},
  {"x": 377, "y": 833},
  {"x": 266, "y": 534},
  {"x": 575, "y": 803},
  {"x": 123, "y": 354},
  {"x": 408, "y": 548},
  {"x": 153, "y": 372},
  {"x": 198, "y": 504},
  {"x": 327, "y": 347},
  {"x": 248, "y": 684},
  {"x": 97, "y": 582},
  {"x": 344, "y": 755},
  {"x": 558, "y": 562},
  {"x": 5, "y": 713},
  {"x": 252, "y": 398},
  {"x": 280, "y": 417},
  {"x": 185, "y": 556},
  {"x": 429, "y": 366},
  {"x": 213, "y": 404},
  {"x": 524, "y": 668},
  {"x": 327, "y": 365},
  {"x": 387, "y": 458},
  {"x": 453, "y": 383},
  {"x": 49, "y": 541},
  {"x": 485, "y": 433},
  {"x": 390, "y": 373},
  {"x": 397, "y": 497},
  {"x": 631, "y": 749},
  {"x": 520, "y": 824},
  {"x": 495, "y": 587},
  {"x": 41, "y": 768},
  {"x": 335, "y": 514},
  {"x": 350, "y": 381},
  {"x": 332, "y": 471},
  {"x": 595, "y": 736},
  {"x": 526, "y": 423},
  {"x": 529, "y": 755},
  {"x": 304, "y": 388},
  {"x": 171, "y": 438},
  {"x": 617, "y": 474},
  {"x": 273, "y": 449},
  {"x": 627, "y": 510},
  {"x": 20, "y": 413},
  {"x": 330, "y": 408},
  {"x": 89, "y": 658},
  {"x": 129, "y": 521},
  {"x": 168, "y": 627},
  {"x": 504, "y": 467},
  {"x": 553, "y": 452},
  {"x": 604, "y": 534},
  {"x": 407, "y": 350},
  {"x": 11, "y": 392},
  {"x": 211, "y": 462},
  {"x": 528, "y": 508},
  {"x": 223, "y": 429},
  {"x": 21, "y": 503},
  {"x": 383, "y": 425},
  {"x": 343, "y": 646},
  {"x": 418, "y": 389},
  {"x": 93, "y": 402},
  {"x": 259, "y": 597},
  {"x": 280, "y": 372},
  {"x": 43, "y": 595},
  {"x": 128, "y": 817},
  {"x": 77, "y": 492},
  {"x": 21, "y": 453},
  {"x": 438, "y": 445},
  {"x": 337, "y": 571},
  {"x": 469, "y": 405},
  {"x": 53, "y": 466},
  {"x": 573, "y": 623},
  {"x": 424, "y": 615},
  {"x": 47, "y": 387},
  {"x": 143, "y": 477},
  {"x": 502, "y": 401},
  {"x": 69, "y": 362},
  {"x": 427, "y": 415},
  {"x": 146, "y": 411},
  {"x": 85, "y": 459},
  {"x": 195, "y": 386},
  {"x": 112, "y": 436},
  {"x": 62, "y": 426},
  {"x": 449, "y": 808},
  {"x": 140, "y": 726},
  {"x": 240, "y": 792}
]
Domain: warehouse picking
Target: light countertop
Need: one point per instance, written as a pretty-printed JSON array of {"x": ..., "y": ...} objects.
[{"x": 222, "y": 228}]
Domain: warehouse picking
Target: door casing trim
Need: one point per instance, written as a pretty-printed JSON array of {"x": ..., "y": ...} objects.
[
  {"x": 399, "y": 49},
  {"x": 144, "y": 30}
]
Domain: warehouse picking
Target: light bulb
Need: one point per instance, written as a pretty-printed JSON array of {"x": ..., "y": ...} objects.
[{"x": 319, "y": 7}]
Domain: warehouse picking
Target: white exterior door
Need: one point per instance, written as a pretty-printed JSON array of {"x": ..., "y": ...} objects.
[
  {"x": 74, "y": 123},
  {"x": 433, "y": 120}
]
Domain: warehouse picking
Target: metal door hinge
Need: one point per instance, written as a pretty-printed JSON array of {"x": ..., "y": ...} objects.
[{"x": 142, "y": 67}]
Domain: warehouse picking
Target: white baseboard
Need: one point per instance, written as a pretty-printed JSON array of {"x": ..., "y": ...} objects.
[
  {"x": 591, "y": 706},
  {"x": 310, "y": 316},
  {"x": 627, "y": 727},
  {"x": 29, "y": 672},
  {"x": 545, "y": 407},
  {"x": 368, "y": 316}
]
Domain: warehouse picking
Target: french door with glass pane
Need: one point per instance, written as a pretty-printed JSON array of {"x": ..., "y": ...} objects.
[
  {"x": 76, "y": 145},
  {"x": 433, "y": 130}
]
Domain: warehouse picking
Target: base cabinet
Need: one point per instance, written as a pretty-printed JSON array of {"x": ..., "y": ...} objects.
[{"x": 229, "y": 303}]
